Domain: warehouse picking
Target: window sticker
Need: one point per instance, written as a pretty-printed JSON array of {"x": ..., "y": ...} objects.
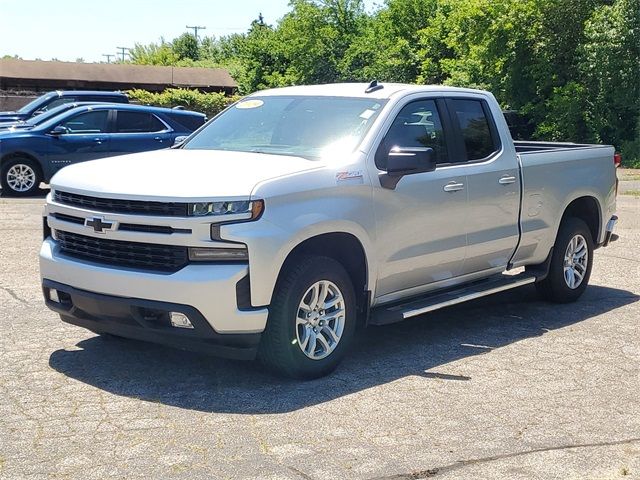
[{"x": 249, "y": 104}]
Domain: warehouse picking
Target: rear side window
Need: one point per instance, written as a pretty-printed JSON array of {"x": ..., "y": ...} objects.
[
  {"x": 417, "y": 125},
  {"x": 88, "y": 122},
  {"x": 137, "y": 122},
  {"x": 474, "y": 128},
  {"x": 189, "y": 122}
]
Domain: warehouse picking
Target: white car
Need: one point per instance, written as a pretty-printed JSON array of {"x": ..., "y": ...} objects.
[{"x": 299, "y": 213}]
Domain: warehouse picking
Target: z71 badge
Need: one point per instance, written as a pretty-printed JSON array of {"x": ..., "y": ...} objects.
[{"x": 354, "y": 177}]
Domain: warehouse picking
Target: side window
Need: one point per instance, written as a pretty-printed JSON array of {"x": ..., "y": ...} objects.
[
  {"x": 474, "y": 127},
  {"x": 88, "y": 122},
  {"x": 137, "y": 122},
  {"x": 417, "y": 125},
  {"x": 189, "y": 122}
]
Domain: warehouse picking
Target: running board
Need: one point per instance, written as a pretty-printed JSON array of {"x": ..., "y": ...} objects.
[{"x": 397, "y": 312}]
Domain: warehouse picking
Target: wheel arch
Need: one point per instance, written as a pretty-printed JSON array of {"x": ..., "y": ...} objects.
[
  {"x": 586, "y": 208},
  {"x": 7, "y": 157},
  {"x": 347, "y": 249}
]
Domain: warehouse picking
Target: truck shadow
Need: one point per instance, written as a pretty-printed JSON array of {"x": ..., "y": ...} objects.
[{"x": 380, "y": 355}]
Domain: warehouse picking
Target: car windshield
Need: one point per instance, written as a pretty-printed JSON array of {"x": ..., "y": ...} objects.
[
  {"x": 33, "y": 105},
  {"x": 43, "y": 117},
  {"x": 305, "y": 126}
]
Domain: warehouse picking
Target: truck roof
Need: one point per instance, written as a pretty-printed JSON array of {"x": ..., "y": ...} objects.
[{"x": 358, "y": 90}]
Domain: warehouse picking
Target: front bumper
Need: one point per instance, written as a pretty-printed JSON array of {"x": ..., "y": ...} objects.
[
  {"x": 146, "y": 320},
  {"x": 209, "y": 289}
]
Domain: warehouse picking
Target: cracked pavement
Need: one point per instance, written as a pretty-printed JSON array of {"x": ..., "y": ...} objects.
[{"x": 503, "y": 387}]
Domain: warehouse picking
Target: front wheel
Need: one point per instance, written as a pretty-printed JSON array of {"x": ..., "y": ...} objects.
[
  {"x": 571, "y": 263},
  {"x": 311, "y": 320},
  {"x": 20, "y": 177}
]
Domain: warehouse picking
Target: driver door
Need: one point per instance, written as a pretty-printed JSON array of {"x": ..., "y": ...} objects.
[
  {"x": 85, "y": 138},
  {"x": 421, "y": 224}
]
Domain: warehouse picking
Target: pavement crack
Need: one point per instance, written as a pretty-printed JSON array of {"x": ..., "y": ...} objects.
[
  {"x": 432, "y": 472},
  {"x": 300, "y": 473},
  {"x": 14, "y": 295}
]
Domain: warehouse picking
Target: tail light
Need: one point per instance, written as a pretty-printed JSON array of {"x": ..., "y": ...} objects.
[{"x": 617, "y": 159}]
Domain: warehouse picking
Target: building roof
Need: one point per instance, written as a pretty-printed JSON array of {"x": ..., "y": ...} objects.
[{"x": 50, "y": 75}]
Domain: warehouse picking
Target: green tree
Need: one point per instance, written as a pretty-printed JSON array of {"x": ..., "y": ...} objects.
[{"x": 186, "y": 47}]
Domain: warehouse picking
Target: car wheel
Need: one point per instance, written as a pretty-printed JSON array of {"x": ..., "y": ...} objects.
[
  {"x": 312, "y": 319},
  {"x": 20, "y": 177},
  {"x": 571, "y": 263}
]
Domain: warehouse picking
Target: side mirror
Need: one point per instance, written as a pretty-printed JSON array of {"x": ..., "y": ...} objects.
[
  {"x": 407, "y": 161},
  {"x": 179, "y": 140},
  {"x": 59, "y": 130}
]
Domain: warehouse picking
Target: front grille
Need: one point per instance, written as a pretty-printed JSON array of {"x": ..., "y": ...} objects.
[
  {"x": 145, "y": 256},
  {"x": 112, "y": 205},
  {"x": 129, "y": 227}
]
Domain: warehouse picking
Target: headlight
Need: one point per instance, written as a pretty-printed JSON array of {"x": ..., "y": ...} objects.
[{"x": 250, "y": 210}]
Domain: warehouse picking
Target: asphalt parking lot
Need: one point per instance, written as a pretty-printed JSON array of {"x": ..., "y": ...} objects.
[{"x": 505, "y": 387}]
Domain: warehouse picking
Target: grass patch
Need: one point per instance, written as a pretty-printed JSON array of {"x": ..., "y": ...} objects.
[{"x": 634, "y": 193}]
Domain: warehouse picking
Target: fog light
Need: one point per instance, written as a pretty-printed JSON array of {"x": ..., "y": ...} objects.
[
  {"x": 53, "y": 295},
  {"x": 180, "y": 320}
]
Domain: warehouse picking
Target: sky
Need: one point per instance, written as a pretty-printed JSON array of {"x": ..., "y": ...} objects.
[{"x": 87, "y": 29}]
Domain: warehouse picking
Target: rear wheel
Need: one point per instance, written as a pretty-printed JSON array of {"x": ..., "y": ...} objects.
[
  {"x": 20, "y": 177},
  {"x": 311, "y": 320},
  {"x": 571, "y": 263}
]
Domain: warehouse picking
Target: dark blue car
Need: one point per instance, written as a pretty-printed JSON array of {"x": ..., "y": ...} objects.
[
  {"x": 29, "y": 156},
  {"x": 51, "y": 100}
]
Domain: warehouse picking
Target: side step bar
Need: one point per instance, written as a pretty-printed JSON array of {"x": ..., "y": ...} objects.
[{"x": 396, "y": 312}]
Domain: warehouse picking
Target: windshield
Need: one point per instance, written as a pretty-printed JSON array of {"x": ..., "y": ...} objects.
[
  {"x": 43, "y": 117},
  {"x": 33, "y": 105},
  {"x": 309, "y": 127}
]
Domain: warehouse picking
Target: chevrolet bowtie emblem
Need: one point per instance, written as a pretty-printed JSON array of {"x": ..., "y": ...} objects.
[{"x": 99, "y": 225}]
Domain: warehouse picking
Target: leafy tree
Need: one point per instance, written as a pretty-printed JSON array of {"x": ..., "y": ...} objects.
[{"x": 186, "y": 47}]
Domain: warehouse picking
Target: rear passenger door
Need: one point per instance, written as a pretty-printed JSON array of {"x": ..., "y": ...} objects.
[
  {"x": 136, "y": 131},
  {"x": 493, "y": 185}
]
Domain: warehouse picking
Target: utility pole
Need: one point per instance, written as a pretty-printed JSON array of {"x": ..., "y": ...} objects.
[
  {"x": 108, "y": 55},
  {"x": 195, "y": 30},
  {"x": 123, "y": 51}
]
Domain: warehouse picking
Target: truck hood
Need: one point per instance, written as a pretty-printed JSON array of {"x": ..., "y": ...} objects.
[{"x": 170, "y": 175}]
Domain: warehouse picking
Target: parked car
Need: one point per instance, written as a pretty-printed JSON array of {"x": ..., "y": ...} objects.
[
  {"x": 41, "y": 117},
  {"x": 29, "y": 156},
  {"x": 53, "y": 99},
  {"x": 301, "y": 212}
]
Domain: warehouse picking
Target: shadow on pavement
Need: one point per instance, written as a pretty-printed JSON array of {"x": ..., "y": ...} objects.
[
  {"x": 41, "y": 193},
  {"x": 380, "y": 355}
]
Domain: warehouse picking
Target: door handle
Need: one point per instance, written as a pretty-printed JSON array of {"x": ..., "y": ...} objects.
[
  {"x": 158, "y": 139},
  {"x": 506, "y": 180},
  {"x": 453, "y": 187},
  {"x": 98, "y": 140}
]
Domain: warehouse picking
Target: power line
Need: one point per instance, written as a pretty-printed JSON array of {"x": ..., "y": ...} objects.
[
  {"x": 123, "y": 51},
  {"x": 195, "y": 30},
  {"x": 108, "y": 55}
]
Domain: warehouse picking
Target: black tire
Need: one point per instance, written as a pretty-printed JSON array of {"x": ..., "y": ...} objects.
[
  {"x": 555, "y": 288},
  {"x": 7, "y": 189},
  {"x": 279, "y": 347}
]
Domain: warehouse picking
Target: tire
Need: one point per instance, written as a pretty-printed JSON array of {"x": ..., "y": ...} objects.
[
  {"x": 20, "y": 177},
  {"x": 292, "y": 328},
  {"x": 556, "y": 287}
]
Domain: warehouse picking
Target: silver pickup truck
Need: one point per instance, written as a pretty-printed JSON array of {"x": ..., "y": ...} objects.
[{"x": 299, "y": 213}]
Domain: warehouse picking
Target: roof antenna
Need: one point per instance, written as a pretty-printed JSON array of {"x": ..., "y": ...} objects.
[{"x": 373, "y": 86}]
